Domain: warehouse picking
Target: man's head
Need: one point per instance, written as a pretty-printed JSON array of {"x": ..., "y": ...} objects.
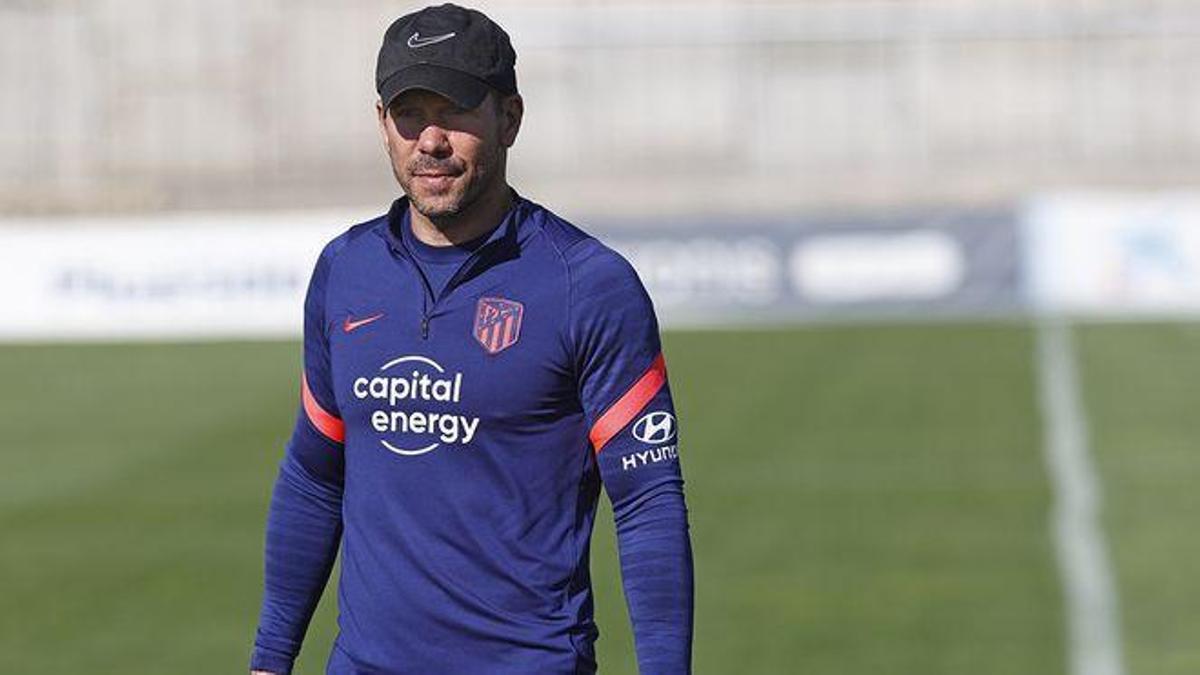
[{"x": 448, "y": 107}]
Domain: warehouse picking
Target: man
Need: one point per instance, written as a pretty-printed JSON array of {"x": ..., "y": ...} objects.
[{"x": 475, "y": 368}]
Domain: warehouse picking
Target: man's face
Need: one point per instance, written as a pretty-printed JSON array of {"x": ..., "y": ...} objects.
[{"x": 444, "y": 156}]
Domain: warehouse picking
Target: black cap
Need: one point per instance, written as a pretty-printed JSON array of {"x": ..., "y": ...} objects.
[{"x": 450, "y": 50}]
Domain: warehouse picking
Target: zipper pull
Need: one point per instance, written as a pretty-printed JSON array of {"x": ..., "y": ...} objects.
[{"x": 424, "y": 327}]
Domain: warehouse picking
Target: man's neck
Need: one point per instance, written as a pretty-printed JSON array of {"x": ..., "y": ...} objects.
[{"x": 478, "y": 219}]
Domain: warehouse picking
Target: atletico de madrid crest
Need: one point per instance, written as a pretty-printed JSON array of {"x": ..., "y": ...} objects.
[{"x": 498, "y": 323}]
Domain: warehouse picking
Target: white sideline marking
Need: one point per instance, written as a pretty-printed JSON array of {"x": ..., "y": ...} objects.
[{"x": 1090, "y": 593}]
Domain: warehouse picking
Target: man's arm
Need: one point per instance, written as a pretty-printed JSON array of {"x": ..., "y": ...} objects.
[
  {"x": 623, "y": 386},
  {"x": 304, "y": 525}
]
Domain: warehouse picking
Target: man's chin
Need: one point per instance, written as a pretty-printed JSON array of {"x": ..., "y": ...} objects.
[{"x": 436, "y": 208}]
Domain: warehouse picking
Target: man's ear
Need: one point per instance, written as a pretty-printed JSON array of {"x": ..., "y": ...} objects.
[
  {"x": 512, "y": 110},
  {"x": 381, "y": 115}
]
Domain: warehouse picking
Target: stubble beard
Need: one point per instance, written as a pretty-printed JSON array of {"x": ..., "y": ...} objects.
[{"x": 449, "y": 205}]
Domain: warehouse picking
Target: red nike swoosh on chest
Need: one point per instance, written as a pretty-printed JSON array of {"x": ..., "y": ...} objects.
[{"x": 350, "y": 324}]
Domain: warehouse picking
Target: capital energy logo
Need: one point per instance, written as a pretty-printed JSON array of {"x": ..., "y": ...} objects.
[{"x": 399, "y": 390}]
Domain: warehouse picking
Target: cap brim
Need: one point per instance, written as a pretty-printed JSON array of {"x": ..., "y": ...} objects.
[{"x": 463, "y": 89}]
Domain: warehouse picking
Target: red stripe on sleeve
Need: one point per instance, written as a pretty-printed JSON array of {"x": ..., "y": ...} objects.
[
  {"x": 620, "y": 413},
  {"x": 330, "y": 426}
]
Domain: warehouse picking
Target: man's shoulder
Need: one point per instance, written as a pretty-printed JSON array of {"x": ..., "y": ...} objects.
[
  {"x": 585, "y": 255},
  {"x": 336, "y": 246},
  {"x": 348, "y": 240},
  {"x": 558, "y": 232}
]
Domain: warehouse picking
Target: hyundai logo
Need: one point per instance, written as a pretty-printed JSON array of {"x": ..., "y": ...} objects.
[{"x": 656, "y": 427}]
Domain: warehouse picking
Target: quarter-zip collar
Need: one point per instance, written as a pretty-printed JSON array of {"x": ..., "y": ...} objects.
[
  {"x": 505, "y": 235},
  {"x": 503, "y": 244}
]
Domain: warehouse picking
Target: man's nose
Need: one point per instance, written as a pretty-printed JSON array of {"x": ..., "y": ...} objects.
[{"x": 434, "y": 141}]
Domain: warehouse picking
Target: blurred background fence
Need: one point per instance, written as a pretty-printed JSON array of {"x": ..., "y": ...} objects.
[{"x": 682, "y": 107}]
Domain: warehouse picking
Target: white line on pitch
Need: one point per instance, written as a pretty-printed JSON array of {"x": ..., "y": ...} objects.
[{"x": 1090, "y": 592}]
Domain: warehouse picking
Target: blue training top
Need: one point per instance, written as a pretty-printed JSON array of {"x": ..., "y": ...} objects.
[{"x": 454, "y": 444}]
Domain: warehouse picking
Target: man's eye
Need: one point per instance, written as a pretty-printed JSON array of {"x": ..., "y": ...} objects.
[{"x": 406, "y": 113}]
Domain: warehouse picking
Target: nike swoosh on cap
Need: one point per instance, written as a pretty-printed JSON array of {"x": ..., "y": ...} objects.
[
  {"x": 350, "y": 324},
  {"x": 415, "y": 41}
]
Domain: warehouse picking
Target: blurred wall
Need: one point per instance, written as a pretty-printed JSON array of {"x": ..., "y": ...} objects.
[{"x": 634, "y": 108}]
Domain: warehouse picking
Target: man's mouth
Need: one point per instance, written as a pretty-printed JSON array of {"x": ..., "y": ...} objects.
[{"x": 435, "y": 180}]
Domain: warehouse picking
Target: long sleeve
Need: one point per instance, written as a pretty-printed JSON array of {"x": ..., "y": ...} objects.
[
  {"x": 304, "y": 524},
  {"x": 625, "y": 394}
]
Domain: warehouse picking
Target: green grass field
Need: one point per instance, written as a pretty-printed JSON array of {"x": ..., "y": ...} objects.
[{"x": 864, "y": 500}]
